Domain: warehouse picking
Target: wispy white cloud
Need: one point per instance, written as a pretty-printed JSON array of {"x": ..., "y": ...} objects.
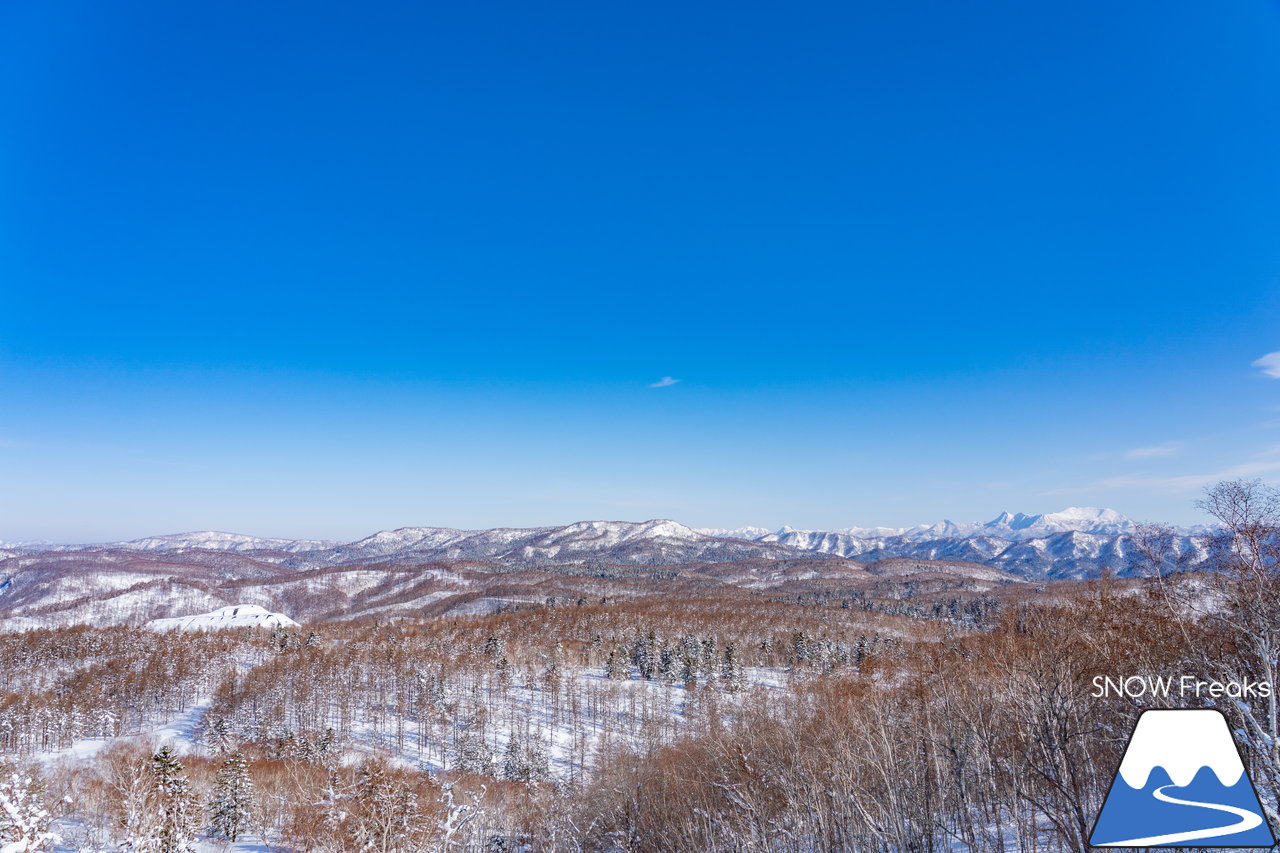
[
  {"x": 667, "y": 381},
  {"x": 1175, "y": 484},
  {"x": 1168, "y": 448},
  {"x": 1269, "y": 364}
]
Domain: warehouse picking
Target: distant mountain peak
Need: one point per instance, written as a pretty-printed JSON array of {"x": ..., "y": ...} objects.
[{"x": 1084, "y": 519}]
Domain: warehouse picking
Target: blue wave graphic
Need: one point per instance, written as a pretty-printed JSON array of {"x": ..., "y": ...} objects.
[{"x": 1205, "y": 813}]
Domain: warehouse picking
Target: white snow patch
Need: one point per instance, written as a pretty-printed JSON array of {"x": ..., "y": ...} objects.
[{"x": 236, "y": 616}]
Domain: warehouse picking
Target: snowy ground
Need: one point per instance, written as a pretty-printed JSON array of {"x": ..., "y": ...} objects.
[
  {"x": 634, "y": 704},
  {"x": 247, "y": 844},
  {"x": 179, "y": 732},
  {"x": 634, "y": 708}
]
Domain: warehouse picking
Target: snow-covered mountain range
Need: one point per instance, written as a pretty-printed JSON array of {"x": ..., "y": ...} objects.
[
  {"x": 174, "y": 575},
  {"x": 578, "y": 538},
  {"x": 1011, "y": 526},
  {"x": 1076, "y": 542}
]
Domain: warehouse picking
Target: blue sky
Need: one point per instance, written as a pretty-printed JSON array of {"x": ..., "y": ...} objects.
[{"x": 317, "y": 269}]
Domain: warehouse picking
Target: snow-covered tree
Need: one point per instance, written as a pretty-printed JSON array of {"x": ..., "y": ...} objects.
[
  {"x": 513, "y": 766},
  {"x": 618, "y": 664},
  {"x": 537, "y": 759},
  {"x": 732, "y": 673},
  {"x": 495, "y": 647},
  {"x": 471, "y": 754},
  {"x": 1240, "y": 600},
  {"x": 387, "y": 816},
  {"x": 708, "y": 659},
  {"x": 231, "y": 807},
  {"x": 455, "y": 816},
  {"x": 667, "y": 664},
  {"x": 176, "y": 818},
  {"x": 644, "y": 655},
  {"x": 688, "y": 669},
  {"x": 525, "y": 761},
  {"x": 24, "y": 822},
  {"x": 218, "y": 735}
]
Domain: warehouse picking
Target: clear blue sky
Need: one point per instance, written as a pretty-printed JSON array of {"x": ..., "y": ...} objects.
[{"x": 317, "y": 269}]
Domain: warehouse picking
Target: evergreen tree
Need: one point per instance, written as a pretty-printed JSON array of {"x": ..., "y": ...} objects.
[
  {"x": 232, "y": 804},
  {"x": 495, "y": 647},
  {"x": 513, "y": 764},
  {"x": 644, "y": 655},
  {"x": 287, "y": 745},
  {"x": 617, "y": 666},
  {"x": 731, "y": 671},
  {"x": 688, "y": 668},
  {"x": 707, "y": 659},
  {"x": 107, "y": 720},
  {"x": 304, "y": 748},
  {"x": 327, "y": 739},
  {"x": 176, "y": 826},
  {"x": 537, "y": 759},
  {"x": 471, "y": 754},
  {"x": 218, "y": 735},
  {"x": 280, "y": 639},
  {"x": 525, "y": 761},
  {"x": 800, "y": 646},
  {"x": 667, "y": 664}
]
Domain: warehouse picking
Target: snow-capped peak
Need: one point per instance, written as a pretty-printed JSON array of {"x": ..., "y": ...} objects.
[
  {"x": 1084, "y": 519},
  {"x": 1087, "y": 514}
]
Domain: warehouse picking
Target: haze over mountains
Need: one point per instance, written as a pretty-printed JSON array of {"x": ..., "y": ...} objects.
[{"x": 448, "y": 570}]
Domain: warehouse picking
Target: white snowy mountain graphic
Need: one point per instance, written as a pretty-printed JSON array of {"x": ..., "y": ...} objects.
[{"x": 1181, "y": 783}]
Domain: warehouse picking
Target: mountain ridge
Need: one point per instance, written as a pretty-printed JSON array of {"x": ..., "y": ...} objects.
[
  {"x": 434, "y": 570},
  {"x": 1072, "y": 543},
  {"x": 1006, "y": 525}
]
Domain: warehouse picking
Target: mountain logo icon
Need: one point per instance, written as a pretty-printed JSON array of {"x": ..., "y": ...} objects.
[{"x": 1181, "y": 783}]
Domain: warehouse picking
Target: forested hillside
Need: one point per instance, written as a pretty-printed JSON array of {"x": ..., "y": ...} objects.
[{"x": 751, "y": 706}]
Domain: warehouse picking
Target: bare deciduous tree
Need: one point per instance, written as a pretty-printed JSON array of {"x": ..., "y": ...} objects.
[{"x": 1230, "y": 616}]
